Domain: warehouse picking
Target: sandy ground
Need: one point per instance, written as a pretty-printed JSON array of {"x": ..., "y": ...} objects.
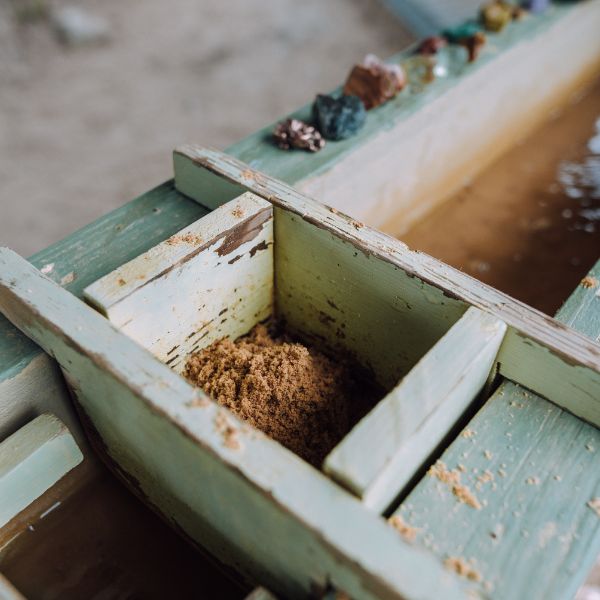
[{"x": 83, "y": 130}]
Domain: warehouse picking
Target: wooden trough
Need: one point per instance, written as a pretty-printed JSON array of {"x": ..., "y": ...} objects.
[{"x": 442, "y": 345}]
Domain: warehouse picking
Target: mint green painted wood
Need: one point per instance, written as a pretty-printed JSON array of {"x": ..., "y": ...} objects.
[
  {"x": 211, "y": 280},
  {"x": 32, "y": 460},
  {"x": 535, "y": 537},
  {"x": 30, "y": 383},
  {"x": 226, "y": 485},
  {"x": 416, "y": 415},
  {"x": 552, "y": 359}
]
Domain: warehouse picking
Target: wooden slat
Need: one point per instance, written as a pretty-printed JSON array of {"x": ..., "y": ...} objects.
[
  {"x": 563, "y": 351},
  {"x": 226, "y": 485},
  {"x": 535, "y": 536},
  {"x": 406, "y": 427},
  {"x": 31, "y": 461},
  {"x": 211, "y": 280}
]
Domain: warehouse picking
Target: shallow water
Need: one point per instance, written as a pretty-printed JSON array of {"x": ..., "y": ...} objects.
[{"x": 529, "y": 224}]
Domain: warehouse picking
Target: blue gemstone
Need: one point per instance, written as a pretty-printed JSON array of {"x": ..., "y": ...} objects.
[{"x": 339, "y": 118}]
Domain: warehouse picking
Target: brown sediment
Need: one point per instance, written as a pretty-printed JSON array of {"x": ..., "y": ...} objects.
[
  {"x": 529, "y": 224},
  {"x": 408, "y": 532},
  {"x": 295, "y": 394}
]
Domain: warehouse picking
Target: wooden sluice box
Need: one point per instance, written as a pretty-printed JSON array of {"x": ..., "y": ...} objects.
[{"x": 471, "y": 468}]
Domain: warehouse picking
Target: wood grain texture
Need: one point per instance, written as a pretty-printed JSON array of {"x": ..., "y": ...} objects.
[
  {"x": 210, "y": 280},
  {"x": 329, "y": 291},
  {"x": 29, "y": 381},
  {"x": 550, "y": 347},
  {"x": 31, "y": 461},
  {"x": 416, "y": 415},
  {"x": 244, "y": 501},
  {"x": 535, "y": 536}
]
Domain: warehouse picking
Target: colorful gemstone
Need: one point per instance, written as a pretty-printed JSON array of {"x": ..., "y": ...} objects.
[{"x": 339, "y": 118}]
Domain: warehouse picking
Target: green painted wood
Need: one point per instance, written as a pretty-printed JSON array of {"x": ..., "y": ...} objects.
[
  {"x": 420, "y": 147},
  {"x": 211, "y": 280},
  {"x": 29, "y": 381},
  {"x": 535, "y": 536},
  {"x": 226, "y": 485},
  {"x": 32, "y": 460},
  {"x": 99, "y": 248},
  {"x": 552, "y": 359},
  {"x": 329, "y": 291},
  {"x": 416, "y": 415}
]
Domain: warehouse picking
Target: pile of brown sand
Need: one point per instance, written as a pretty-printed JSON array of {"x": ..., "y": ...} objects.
[{"x": 296, "y": 395}]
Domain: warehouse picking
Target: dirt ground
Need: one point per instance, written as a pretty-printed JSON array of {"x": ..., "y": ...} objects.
[{"x": 85, "y": 129}]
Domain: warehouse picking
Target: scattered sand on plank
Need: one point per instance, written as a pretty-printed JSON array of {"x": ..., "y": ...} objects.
[
  {"x": 594, "y": 504},
  {"x": 452, "y": 479},
  {"x": 403, "y": 528}
]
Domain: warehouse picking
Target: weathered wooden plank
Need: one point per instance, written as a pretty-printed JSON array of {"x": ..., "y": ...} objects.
[
  {"x": 170, "y": 440},
  {"x": 31, "y": 461},
  {"x": 415, "y": 416},
  {"x": 535, "y": 536},
  {"x": 582, "y": 309},
  {"x": 550, "y": 347},
  {"x": 210, "y": 280}
]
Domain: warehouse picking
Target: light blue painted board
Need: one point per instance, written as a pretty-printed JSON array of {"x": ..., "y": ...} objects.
[
  {"x": 32, "y": 460},
  {"x": 535, "y": 537}
]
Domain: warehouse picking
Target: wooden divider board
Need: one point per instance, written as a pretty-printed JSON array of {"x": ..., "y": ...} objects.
[
  {"x": 257, "y": 506},
  {"x": 409, "y": 423},
  {"x": 553, "y": 360}
]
